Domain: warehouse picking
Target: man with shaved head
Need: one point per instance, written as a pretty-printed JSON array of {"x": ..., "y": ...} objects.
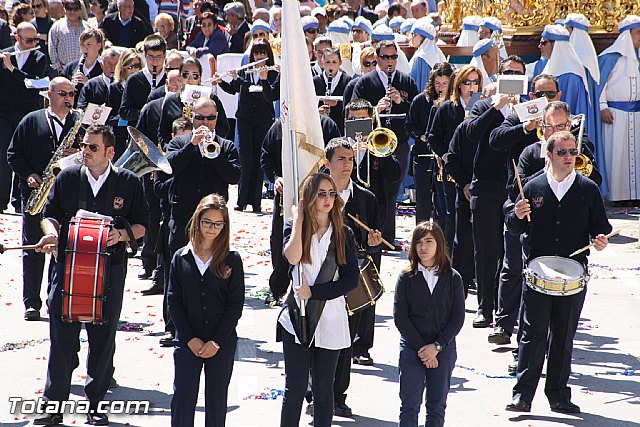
[{"x": 16, "y": 100}]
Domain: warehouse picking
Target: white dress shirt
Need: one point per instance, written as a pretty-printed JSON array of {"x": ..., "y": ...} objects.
[
  {"x": 560, "y": 188},
  {"x": 202, "y": 265},
  {"x": 56, "y": 126},
  {"x": 149, "y": 76},
  {"x": 332, "y": 332},
  {"x": 334, "y": 80},
  {"x": 21, "y": 58},
  {"x": 96, "y": 184},
  {"x": 346, "y": 194},
  {"x": 430, "y": 276},
  {"x": 384, "y": 78}
]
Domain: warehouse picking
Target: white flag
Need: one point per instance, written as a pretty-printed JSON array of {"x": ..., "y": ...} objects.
[{"x": 302, "y": 141}]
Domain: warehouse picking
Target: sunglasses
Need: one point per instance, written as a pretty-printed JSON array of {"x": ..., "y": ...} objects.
[
  {"x": 72, "y": 8},
  {"x": 133, "y": 66},
  {"x": 561, "y": 126},
  {"x": 36, "y": 6},
  {"x": 544, "y": 42},
  {"x": 312, "y": 31},
  {"x": 563, "y": 152},
  {"x": 205, "y": 223},
  {"x": 29, "y": 41},
  {"x": 64, "y": 93},
  {"x": 259, "y": 36},
  {"x": 470, "y": 82},
  {"x": 369, "y": 63},
  {"x": 92, "y": 147},
  {"x": 186, "y": 74},
  {"x": 512, "y": 73},
  {"x": 388, "y": 57},
  {"x": 202, "y": 117},
  {"x": 548, "y": 93},
  {"x": 327, "y": 194},
  {"x": 357, "y": 30}
]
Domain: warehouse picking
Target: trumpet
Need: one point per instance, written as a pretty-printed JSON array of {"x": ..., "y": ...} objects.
[{"x": 209, "y": 148}]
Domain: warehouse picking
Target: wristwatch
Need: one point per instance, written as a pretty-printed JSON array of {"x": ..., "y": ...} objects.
[{"x": 439, "y": 346}]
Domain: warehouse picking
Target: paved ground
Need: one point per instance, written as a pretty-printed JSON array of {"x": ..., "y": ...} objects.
[{"x": 606, "y": 365}]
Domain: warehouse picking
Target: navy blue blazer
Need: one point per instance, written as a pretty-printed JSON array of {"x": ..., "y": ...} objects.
[
  {"x": 422, "y": 317},
  {"x": 216, "y": 45}
]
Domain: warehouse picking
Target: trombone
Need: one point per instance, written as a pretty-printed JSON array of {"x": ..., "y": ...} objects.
[
  {"x": 584, "y": 165},
  {"x": 381, "y": 142}
]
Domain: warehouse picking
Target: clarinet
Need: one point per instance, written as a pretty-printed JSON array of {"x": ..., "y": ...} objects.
[
  {"x": 389, "y": 78},
  {"x": 329, "y": 81},
  {"x": 154, "y": 73},
  {"x": 80, "y": 69}
]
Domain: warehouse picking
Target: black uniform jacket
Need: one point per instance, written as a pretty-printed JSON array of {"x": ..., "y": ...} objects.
[
  {"x": 447, "y": 118},
  {"x": 337, "y": 112},
  {"x": 15, "y": 98},
  {"x": 134, "y": 96},
  {"x": 254, "y": 104},
  {"x": 205, "y": 306},
  {"x": 488, "y": 165},
  {"x": 96, "y": 91}
]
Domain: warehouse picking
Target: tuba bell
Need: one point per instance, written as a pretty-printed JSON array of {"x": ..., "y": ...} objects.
[{"x": 142, "y": 155}]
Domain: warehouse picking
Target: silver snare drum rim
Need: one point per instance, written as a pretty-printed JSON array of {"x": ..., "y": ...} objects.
[{"x": 538, "y": 281}]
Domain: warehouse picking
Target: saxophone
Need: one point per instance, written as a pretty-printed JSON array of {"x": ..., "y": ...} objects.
[{"x": 38, "y": 197}]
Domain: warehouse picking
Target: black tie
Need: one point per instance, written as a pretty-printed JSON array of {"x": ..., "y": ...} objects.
[{"x": 55, "y": 120}]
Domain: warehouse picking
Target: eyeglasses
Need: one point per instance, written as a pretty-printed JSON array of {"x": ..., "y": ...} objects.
[
  {"x": 64, "y": 93},
  {"x": 369, "y": 63},
  {"x": 357, "y": 30},
  {"x": 563, "y": 152},
  {"x": 92, "y": 147},
  {"x": 259, "y": 36},
  {"x": 312, "y": 31},
  {"x": 201, "y": 117},
  {"x": 544, "y": 42},
  {"x": 205, "y": 223},
  {"x": 512, "y": 73},
  {"x": 388, "y": 57},
  {"x": 186, "y": 74},
  {"x": 36, "y": 6},
  {"x": 133, "y": 66},
  {"x": 561, "y": 126},
  {"x": 470, "y": 82},
  {"x": 327, "y": 194},
  {"x": 29, "y": 41},
  {"x": 548, "y": 93},
  {"x": 155, "y": 57}
]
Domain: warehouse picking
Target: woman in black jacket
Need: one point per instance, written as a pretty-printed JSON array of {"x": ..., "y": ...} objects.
[
  {"x": 205, "y": 298},
  {"x": 255, "y": 115}
]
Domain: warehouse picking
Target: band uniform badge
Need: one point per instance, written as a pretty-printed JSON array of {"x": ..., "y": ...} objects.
[
  {"x": 538, "y": 201},
  {"x": 118, "y": 203}
]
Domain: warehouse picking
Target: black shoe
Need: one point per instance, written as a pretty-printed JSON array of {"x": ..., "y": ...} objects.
[
  {"x": 481, "y": 322},
  {"x": 565, "y": 407},
  {"x": 364, "y": 360},
  {"x": 167, "y": 340},
  {"x": 48, "y": 420},
  {"x": 518, "y": 405},
  {"x": 97, "y": 419},
  {"x": 155, "y": 289},
  {"x": 512, "y": 369},
  {"x": 113, "y": 383},
  {"x": 341, "y": 409},
  {"x": 239, "y": 208},
  {"x": 500, "y": 336},
  {"x": 144, "y": 275},
  {"x": 18, "y": 208},
  {"x": 31, "y": 314}
]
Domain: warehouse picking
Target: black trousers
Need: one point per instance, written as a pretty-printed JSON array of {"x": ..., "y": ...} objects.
[
  {"x": 462, "y": 258},
  {"x": 8, "y": 124},
  {"x": 549, "y": 323},
  {"x": 510, "y": 286},
  {"x": 148, "y": 254},
  {"x": 446, "y": 208},
  {"x": 63, "y": 354},
  {"x": 486, "y": 205},
  {"x": 297, "y": 365},
  {"x": 279, "y": 279},
  {"x": 177, "y": 238},
  {"x": 343, "y": 368},
  {"x": 250, "y": 136},
  {"x": 423, "y": 178},
  {"x": 32, "y": 261},
  {"x": 186, "y": 383},
  {"x": 391, "y": 189}
]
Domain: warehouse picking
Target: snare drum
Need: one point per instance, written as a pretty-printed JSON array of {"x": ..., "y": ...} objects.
[
  {"x": 369, "y": 289},
  {"x": 556, "y": 276},
  {"x": 86, "y": 271}
]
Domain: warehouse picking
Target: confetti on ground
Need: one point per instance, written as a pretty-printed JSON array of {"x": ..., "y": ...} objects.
[
  {"x": 22, "y": 344},
  {"x": 132, "y": 327},
  {"x": 267, "y": 394},
  {"x": 475, "y": 371},
  {"x": 626, "y": 373},
  {"x": 261, "y": 293}
]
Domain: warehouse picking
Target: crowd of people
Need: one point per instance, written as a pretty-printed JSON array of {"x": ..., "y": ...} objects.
[{"x": 475, "y": 227}]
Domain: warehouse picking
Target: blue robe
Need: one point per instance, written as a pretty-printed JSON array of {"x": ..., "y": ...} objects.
[
  {"x": 420, "y": 72},
  {"x": 594, "y": 124},
  {"x": 537, "y": 70}
]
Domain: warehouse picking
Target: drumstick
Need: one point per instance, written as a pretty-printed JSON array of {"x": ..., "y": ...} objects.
[
  {"x": 363, "y": 225},
  {"x": 608, "y": 236},
  {"x": 11, "y": 248},
  {"x": 515, "y": 169}
]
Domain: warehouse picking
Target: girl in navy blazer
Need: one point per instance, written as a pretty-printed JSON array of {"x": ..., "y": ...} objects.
[
  {"x": 428, "y": 310},
  {"x": 205, "y": 298}
]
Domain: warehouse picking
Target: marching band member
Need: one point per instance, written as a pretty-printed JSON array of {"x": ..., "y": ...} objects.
[
  {"x": 271, "y": 163},
  {"x": 191, "y": 72},
  {"x": 106, "y": 190},
  {"x": 88, "y": 66},
  {"x": 319, "y": 45},
  {"x": 445, "y": 121},
  {"x": 96, "y": 90},
  {"x": 194, "y": 174},
  {"x": 427, "y": 53},
  {"x": 394, "y": 94},
  {"x": 362, "y": 204},
  {"x": 205, "y": 316},
  {"x": 332, "y": 61},
  {"x": 173, "y": 61},
  {"x": 16, "y": 100},
  {"x": 367, "y": 64},
  {"x": 255, "y": 115},
  {"x": 428, "y": 310},
  {"x": 419, "y": 121},
  {"x": 322, "y": 252},
  {"x": 384, "y": 33},
  {"x": 36, "y": 138},
  {"x": 556, "y": 228}
]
